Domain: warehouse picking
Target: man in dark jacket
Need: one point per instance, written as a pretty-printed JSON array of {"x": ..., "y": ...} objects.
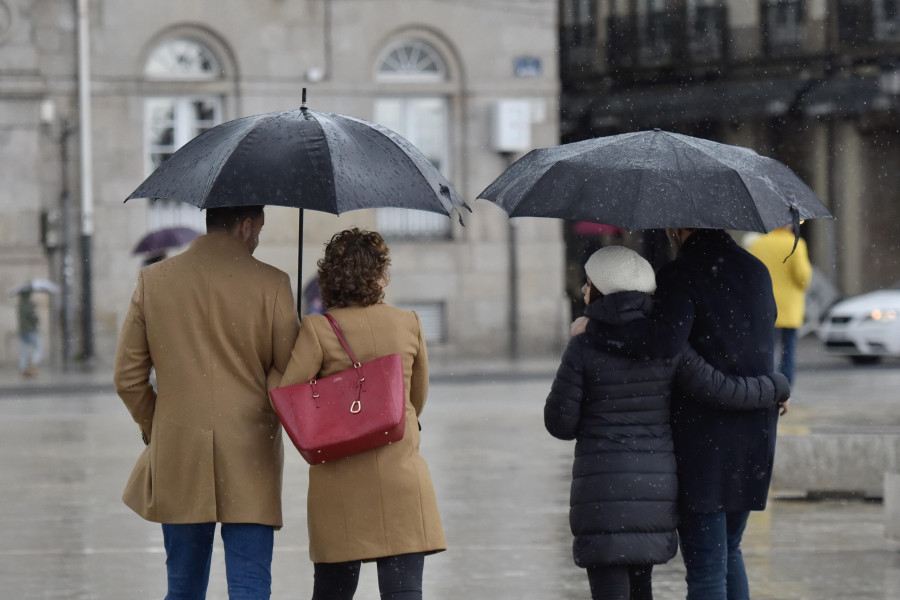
[{"x": 717, "y": 297}]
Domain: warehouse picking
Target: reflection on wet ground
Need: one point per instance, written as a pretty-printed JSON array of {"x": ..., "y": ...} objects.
[{"x": 502, "y": 484}]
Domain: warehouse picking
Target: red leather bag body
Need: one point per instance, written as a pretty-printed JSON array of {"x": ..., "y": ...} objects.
[{"x": 352, "y": 411}]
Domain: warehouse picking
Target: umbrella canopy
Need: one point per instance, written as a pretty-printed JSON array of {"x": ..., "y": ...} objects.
[
  {"x": 305, "y": 159},
  {"x": 655, "y": 179},
  {"x": 163, "y": 239},
  {"x": 302, "y": 158},
  {"x": 37, "y": 284}
]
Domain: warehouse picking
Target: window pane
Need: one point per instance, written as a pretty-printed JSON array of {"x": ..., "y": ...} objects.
[
  {"x": 170, "y": 123},
  {"x": 432, "y": 315},
  {"x": 203, "y": 110},
  {"x": 424, "y": 122},
  {"x": 389, "y": 112}
]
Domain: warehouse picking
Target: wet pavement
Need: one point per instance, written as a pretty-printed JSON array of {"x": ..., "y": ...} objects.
[{"x": 67, "y": 446}]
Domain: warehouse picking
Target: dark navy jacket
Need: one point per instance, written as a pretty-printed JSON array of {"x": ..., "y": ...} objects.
[
  {"x": 718, "y": 297},
  {"x": 624, "y": 483}
]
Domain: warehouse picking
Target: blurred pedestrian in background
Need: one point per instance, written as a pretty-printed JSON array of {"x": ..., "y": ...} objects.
[
  {"x": 312, "y": 296},
  {"x": 377, "y": 505},
  {"x": 791, "y": 274},
  {"x": 29, "y": 338},
  {"x": 624, "y": 490}
]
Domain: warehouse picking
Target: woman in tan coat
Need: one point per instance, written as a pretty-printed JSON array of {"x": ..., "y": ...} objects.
[{"x": 378, "y": 505}]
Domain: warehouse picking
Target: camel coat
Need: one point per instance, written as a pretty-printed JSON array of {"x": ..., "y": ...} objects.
[
  {"x": 381, "y": 502},
  {"x": 213, "y": 322}
]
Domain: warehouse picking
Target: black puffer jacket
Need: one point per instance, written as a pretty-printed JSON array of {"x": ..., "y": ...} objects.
[{"x": 624, "y": 483}]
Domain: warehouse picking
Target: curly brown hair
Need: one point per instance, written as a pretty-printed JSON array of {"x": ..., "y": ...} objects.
[{"x": 350, "y": 271}]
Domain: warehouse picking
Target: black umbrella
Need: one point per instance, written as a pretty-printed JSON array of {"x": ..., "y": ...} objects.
[
  {"x": 655, "y": 179},
  {"x": 163, "y": 239},
  {"x": 302, "y": 158}
]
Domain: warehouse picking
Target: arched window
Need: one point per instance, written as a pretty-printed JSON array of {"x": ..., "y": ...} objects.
[
  {"x": 170, "y": 121},
  {"x": 422, "y": 118},
  {"x": 182, "y": 59},
  {"x": 412, "y": 59}
]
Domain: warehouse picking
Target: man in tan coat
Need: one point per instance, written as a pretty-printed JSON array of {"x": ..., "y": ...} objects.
[{"x": 213, "y": 322}]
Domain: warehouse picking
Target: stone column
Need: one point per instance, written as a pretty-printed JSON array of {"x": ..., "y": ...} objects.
[
  {"x": 892, "y": 505},
  {"x": 847, "y": 205},
  {"x": 822, "y": 250}
]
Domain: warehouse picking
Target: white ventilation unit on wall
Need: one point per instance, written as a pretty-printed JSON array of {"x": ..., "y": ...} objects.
[{"x": 511, "y": 126}]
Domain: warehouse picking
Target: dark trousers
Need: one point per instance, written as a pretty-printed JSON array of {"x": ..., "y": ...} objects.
[
  {"x": 399, "y": 578},
  {"x": 620, "y": 583}
]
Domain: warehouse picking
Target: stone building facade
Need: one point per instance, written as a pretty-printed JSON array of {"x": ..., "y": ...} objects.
[
  {"x": 161, "y": 72},
  {"x": 813, "y": 83}
]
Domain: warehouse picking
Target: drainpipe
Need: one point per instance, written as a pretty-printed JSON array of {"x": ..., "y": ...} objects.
[
  {"x": 87, "y": 179},
  {"x": 512, "y": 283}
]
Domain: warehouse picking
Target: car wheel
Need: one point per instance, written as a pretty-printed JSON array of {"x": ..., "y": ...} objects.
[{"x": 865, "y": 360}]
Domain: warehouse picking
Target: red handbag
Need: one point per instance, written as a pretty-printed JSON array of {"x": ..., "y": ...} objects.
[{"x": 357, "y": 409}]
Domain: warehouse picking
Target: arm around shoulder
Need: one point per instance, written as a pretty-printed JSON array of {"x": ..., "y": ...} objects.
[
  {"x": 306, "y": 356},
  {"x": 709, "y": 386}
]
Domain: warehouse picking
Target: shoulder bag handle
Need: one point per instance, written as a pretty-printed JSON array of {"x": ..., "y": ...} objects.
[{"x": 340, "y": 336}]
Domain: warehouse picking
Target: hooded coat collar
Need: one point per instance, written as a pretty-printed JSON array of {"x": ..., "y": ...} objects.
[
  {"x": 620, "y": 308},
  {"x": 702, "y": 239}
]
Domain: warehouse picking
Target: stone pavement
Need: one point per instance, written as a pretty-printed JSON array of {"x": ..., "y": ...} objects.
[{"x": 67, "y": 446}]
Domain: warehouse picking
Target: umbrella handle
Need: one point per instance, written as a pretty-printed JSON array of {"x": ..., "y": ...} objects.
[{"x": 795, "y": 222}]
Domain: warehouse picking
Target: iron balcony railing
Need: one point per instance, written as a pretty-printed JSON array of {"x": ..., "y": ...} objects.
[
  {"x": 668, "y": 38},
  {"x": 866, "y": 22},
  {"x": 577, "y": 47},
  {"x": 782, "y": 23}
]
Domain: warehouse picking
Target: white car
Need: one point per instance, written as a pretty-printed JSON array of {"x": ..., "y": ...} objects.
[{"x": 864, "y": 328}]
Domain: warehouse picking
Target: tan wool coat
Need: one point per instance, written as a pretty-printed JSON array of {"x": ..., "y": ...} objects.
[
  {"x": 213, "y": 322},
  {"x": 381, "y": 502}
]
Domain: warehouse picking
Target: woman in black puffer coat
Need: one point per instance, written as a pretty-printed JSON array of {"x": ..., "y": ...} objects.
[{"x": 624, "y": 484}]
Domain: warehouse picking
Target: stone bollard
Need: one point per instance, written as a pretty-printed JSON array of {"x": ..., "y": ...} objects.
[
  {"x": 892, "y": 506},
  {"x": 817, "y": 463}
]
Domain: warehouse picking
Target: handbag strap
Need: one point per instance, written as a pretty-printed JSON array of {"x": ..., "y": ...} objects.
[{"x": 340, "y": 336}]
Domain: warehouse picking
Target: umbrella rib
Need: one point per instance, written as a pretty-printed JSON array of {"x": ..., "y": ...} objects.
[
  {"x": 257, "y": 120},
  {"x": 706, "y": 152},
  {"x": 418, "y": 171}
]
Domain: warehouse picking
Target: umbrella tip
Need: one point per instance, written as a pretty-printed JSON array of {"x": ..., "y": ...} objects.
[{"x": 303, "y": 99}]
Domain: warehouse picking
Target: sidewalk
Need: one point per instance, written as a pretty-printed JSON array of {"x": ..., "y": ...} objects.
[
  {"x": 100, "y": 379},
  {"x": 68, "y": 447},
  {"x": 811, "y": 357}
]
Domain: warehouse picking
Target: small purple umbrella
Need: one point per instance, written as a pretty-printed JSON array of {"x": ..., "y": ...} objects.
[{"x": 163, "y": 239}]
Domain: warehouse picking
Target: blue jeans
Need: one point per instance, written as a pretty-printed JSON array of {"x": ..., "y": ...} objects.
[
  {"x": 787, "y": 339},
  {"x": 248, "y": 559},
  {"x": 29, "y": 350},
  {"x": 711, "y": 549}
]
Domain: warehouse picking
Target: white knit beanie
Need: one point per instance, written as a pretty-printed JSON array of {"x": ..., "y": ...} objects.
[{"x": 617, "y": 269}]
